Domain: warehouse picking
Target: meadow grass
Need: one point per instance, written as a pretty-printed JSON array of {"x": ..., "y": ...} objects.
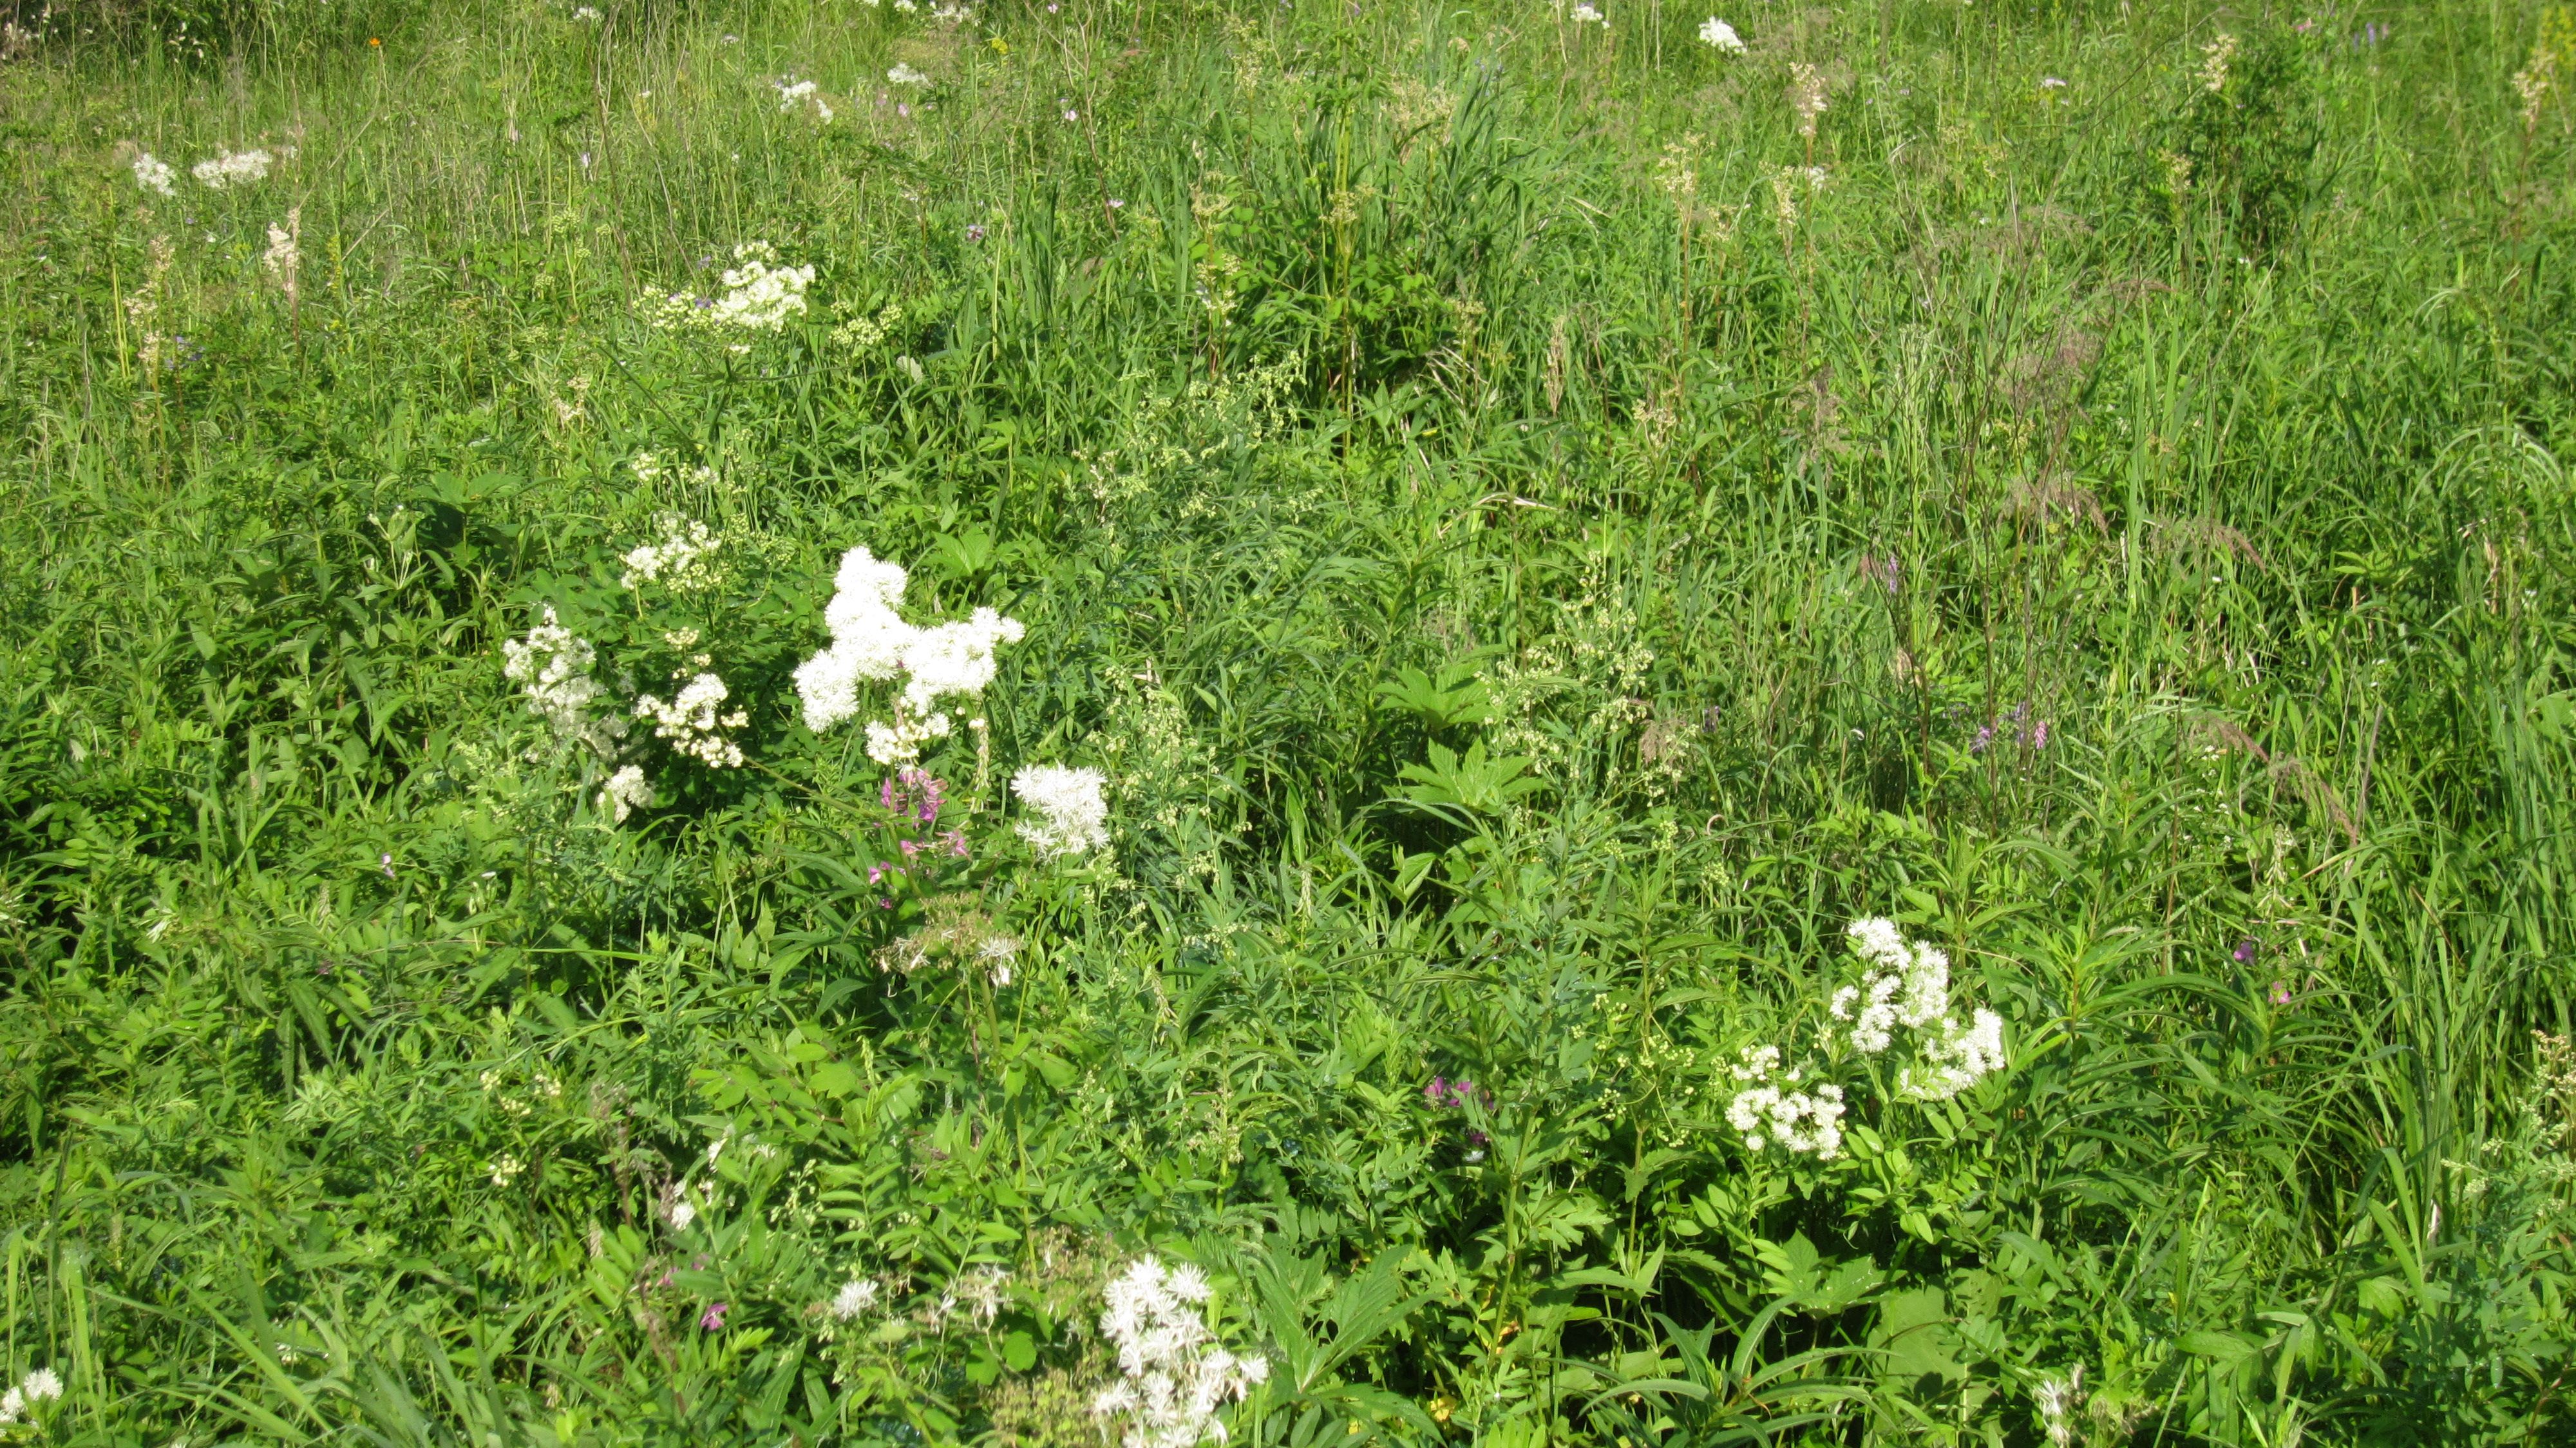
[{"x": 1541, "y": 523}]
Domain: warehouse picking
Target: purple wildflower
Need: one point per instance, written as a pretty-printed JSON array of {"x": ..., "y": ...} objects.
[
  {"x": 2280, "y": 992},
  {"x": 975, "y": 232},
  {"x": 713, "y": 1320},
  {"x": 2245, "y": 951}
]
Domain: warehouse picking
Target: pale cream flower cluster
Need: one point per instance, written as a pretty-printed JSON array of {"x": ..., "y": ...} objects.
[
  {"x": 1071, "y": 813},
  {"x": 233, "y": 168},
  {"x": 153, "y": 174},
  {"x": 1768, "y": 1111},
  {"x": 681, "y": 561},
  {"x": 1906, "y": 985},
  {"x": 1173, "y": 1374},
  {"x": 1720, "y": 36},
  {"x": 872, "y": 642},
  {"x": 691, "y": 722},
  {"x": 760, "y": 295},
  {"x": 553, "y": 664},
  {"x": 795, "y": 93},
  {"x": 40, "y": 1386}
]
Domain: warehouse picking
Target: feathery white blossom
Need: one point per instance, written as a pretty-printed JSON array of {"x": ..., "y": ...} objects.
[
  {"x": 1765, "y": 1112},
  {"x": 39, "y": 1386},
  {"x": 1717, "y": 33},
  {"x": 553, "y": 666},
  {"x": 2058, "y": 1398},
  {"x": 906, "y": 75},
  {"x": 1907, "y": 984},
  {"x": 691, "y": 722},
  {"x": 626, "y": 792},
  {"x": 759, "y": 296},
  {"x": 233, "y": 168},
  {"x": 1072, "y": 815},
  {"x": 871, "y": 642},
  {"x": 679, "y": 561},
  {"x": 853, "y": 1300},
  {"x": 153, "y": 174},
  {"x": 1173, "y": 1373},
  {"x": 793, "y": 93}
]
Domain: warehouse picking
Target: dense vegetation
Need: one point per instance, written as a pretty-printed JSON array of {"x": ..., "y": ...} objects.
[{"x": 1542, "y": 521}]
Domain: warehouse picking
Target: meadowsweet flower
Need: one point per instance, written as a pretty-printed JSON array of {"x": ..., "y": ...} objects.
[
  {"x": 872, "y": 642},
  {"x": 2057, "y": 1399},
  {"x": 586, "y": 12},
  {"x": 679, "y": 561},
  {"x": 759, "y": 296},
  {"x": 853, "y": 1301},
  {"x": 792, "y": 94},
  {"x": 691, "y": 722},
  {"x": 1720, "y": 36},
  {"x": 2533, "y": 83},
  {"x": 1767, "y": 1113},
  {"x": 1786, "y": 182},
  {"x": 1955, "y": 1057},
  {"x": 1585, "y": 14},
  {"x": 1806, "y": 96},
  {"x": 153, "y": 174},
  {"x": 1173, "y": 1373},
  {"x": 626, "y": 792},
  {"x": 1072, "y": 816},
  {"x": 906, "y": 75},
  {"x": 2217, "y": 60},
  {"x": 284, "y": 260},
  {"x": 553, "y": 666},
  {"x": 233, "y": 168},
  {"x": 1906, "y": 984}
]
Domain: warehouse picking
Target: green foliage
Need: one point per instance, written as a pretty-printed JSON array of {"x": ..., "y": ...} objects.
[{"x": 1532, "y": 565}]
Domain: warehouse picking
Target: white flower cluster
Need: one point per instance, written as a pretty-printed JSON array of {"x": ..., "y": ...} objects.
[
  {"x": 153, "y": 174},
  {"x": 232, "y": 168},
  {"x": 794, "y": 93},
  {"x": 1072, "y": 815},
  {"x": 626, "y": 792},
  {"x": 1721, "y": 36},
  {"x": 1907, "y": 985},
  {"x": 691, "y": 722},
  {"x": 871, "y": 641},
  {"x": 553, "y": 664},
  {"x": 1173, "y": 1374},
  {"x": 855, "y": 1300},
  {"x": 679, "y": 561},
  {"x": 1767, "y": 1112},
  {"x": 39, "y": 1386},
  {"x": 905, "y": 75},
  {"x": 759, "y": 296}
]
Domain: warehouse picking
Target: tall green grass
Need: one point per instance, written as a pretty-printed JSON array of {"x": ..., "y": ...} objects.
[{"x": 1534, "y": 569}]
